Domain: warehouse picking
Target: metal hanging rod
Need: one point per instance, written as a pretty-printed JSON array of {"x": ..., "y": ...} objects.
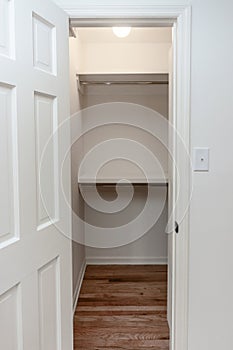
[{"x": 125, "y": 82}]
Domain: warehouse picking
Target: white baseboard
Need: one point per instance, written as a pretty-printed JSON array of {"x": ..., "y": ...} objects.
[
  {"x": 78, "y": 285},
  {"x": 96, "y": 260}
]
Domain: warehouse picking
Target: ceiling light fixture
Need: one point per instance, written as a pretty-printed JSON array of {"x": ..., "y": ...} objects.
[{"x": 121, "y": 32}]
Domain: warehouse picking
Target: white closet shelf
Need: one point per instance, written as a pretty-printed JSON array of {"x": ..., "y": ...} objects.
[
  {"x": 157, "y": 180},
  {"x": 122, "y": 79}
]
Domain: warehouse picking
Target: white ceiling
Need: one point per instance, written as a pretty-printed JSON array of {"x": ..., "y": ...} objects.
[{"x": 137, "y": 35}]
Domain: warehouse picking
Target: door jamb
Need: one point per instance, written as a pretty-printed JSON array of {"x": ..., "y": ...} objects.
[{"x": 96, "y": 15}]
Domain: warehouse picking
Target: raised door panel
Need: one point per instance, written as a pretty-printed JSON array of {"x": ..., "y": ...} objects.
[
  {"x": 6, "y": 27},
  {"x": 47, "y": 159},
  {"x": 49, "y": 301},
  {"x": 10, "y": 320},
  {"x": 44, "y": 45},
  {"x": 9, "y": 217}
]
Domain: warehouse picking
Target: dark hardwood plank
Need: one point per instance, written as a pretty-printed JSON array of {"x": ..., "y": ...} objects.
[{"x": 122, "y": 307}]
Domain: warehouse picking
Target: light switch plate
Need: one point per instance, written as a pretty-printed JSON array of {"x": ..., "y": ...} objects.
[{"x": 201, "y": 159}]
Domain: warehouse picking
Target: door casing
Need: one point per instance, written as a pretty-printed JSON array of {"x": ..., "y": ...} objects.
[{"x": 179, "y": 17}]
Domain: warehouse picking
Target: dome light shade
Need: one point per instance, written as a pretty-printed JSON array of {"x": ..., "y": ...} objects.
[{"x": 121, "y": 32}]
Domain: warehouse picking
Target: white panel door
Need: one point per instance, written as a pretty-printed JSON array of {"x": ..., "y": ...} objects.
[{"x": 35, "y": 219}]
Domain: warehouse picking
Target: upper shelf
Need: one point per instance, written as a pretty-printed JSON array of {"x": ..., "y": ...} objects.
[{"x": 122, "y": 79}]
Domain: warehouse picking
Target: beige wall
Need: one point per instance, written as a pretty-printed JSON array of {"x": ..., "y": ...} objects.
[
  {"x": 145, "y": 50},
  {"x": 138, "y": 58},
  {"x": 152, "y": 247},
  {"x": 154, "y": 97}
]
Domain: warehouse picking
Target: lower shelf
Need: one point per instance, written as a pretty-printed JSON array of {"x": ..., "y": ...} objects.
[{"x": 153, "y": 181}]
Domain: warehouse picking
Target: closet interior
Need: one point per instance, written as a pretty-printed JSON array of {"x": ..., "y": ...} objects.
[{"x": 119, "y": 100}]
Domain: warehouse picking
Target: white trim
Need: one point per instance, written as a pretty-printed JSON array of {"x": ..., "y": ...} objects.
[
  {"x": 183, "y": 83},
  {"x": 124, "y": 11},
  {"x": 180, "y": 14},
  {"x": 96, "y": 260},
  {"x": 79, "y": 285}
]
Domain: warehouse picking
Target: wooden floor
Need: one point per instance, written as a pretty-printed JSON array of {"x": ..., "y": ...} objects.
[{"x": 122, "y": 307}]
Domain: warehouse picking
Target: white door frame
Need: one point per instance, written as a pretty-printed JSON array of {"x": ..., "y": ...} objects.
[{"x": 96, "y": 15}]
